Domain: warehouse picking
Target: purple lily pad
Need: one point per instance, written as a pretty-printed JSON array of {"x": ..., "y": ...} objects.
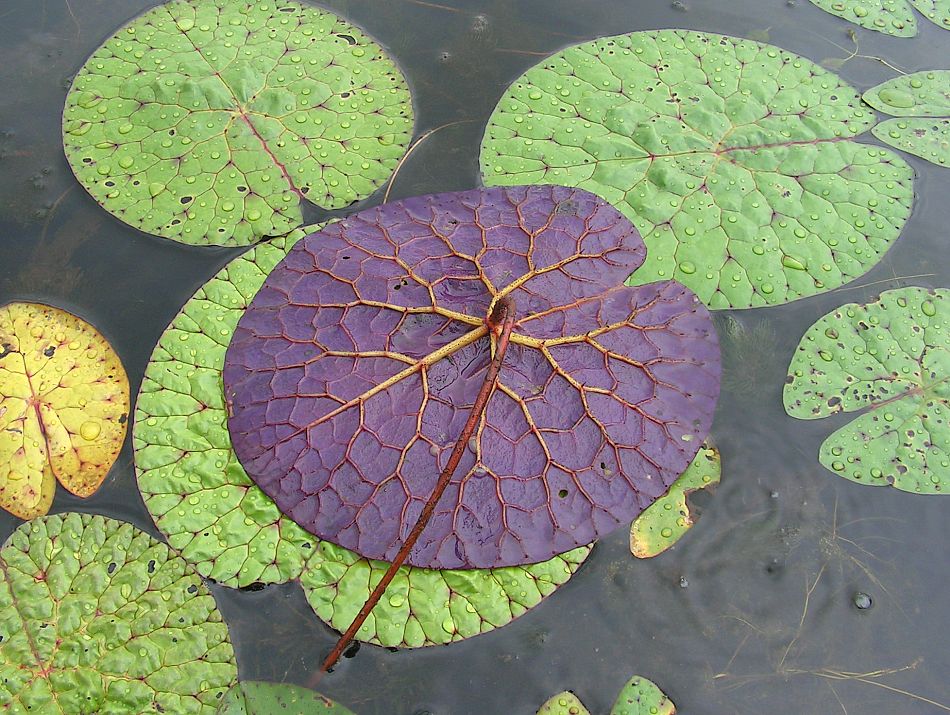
[{"x": 353, "y": 370}]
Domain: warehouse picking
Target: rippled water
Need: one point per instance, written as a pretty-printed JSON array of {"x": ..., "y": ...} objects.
[{"x": 720, "y": 622}]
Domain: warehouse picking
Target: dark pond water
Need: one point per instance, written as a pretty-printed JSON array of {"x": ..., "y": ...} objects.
[{"x": 719, "y": 622}]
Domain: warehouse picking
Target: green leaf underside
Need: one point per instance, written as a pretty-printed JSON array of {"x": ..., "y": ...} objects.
[
  {"x": 734, "y": 159},
  {"x": 565, "y": 703},
  {"x": 642, "y": 697},
  {"x": 258, "y": 698},
  {"x": 99, "y": 617},
  {"x": 638, "y": 697},
  {"x": 665, "y": 521},
  {"x": 892, "y": 17},
  {"x": 201, "y": 498},
  {"x": 892, "y": 359},
  {"x": 208, "y": 121},
  {"x": 922, "y": 101}
]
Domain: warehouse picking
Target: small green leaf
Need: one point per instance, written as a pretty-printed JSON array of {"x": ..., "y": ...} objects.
[
  {"x": 99, "y": 617},
  {"x": 666, "y": 520},
  {"x": 937, "y": 11},
  {"x": 220, "y": 521},
  {"x": 892, "y": 359},
  {"x": 734, "y": 159},
  {"x": 210, "y": 122},
  {"x": 642, "y": 697},
  {"x": 921, "y": 94},
  {"x": 258, "y": 698},
  {"x": 922, "y": 136},
  {"x": 892, "y": 17},
  {"x": 565, "y": 703}
]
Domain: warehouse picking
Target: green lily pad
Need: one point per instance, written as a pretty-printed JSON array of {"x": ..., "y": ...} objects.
[
  {"x": 565, "y": 703},
  {"x": 921, "y": 94},
  {"x": 638, "y": 697},
  {"x": 922, "y": 99},
  {"x": 666, "y": 520},
  {"x": 927, "y": 138},
  {"x": 733, "y": 158},
  {"x": 423, "y": 607},
  {"x": 937, "y": 11},
  {"x": 190, "y": 479},
  {"x": 642, "y": 697},
  {"x": 892, "y": 17},
  {"x": 890, "y": 358},
  {"x": 258, "y": 698},
  {"x": 220, "y": 521},
  {"x": 208, "y": 122},
  {"x": 99, "y": 617}
]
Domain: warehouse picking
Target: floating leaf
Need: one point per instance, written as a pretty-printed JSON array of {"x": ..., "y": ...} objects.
[
  {"x": 64, "y": 402},
  {"x": 892, "y": 357},
  {"x": 257, "y": 698},
  {"x": 923, "y": 100},
  {"x": 668, "y": 518},
  {"x": 208, "y": 122},
  {"x": 222, "y": 523},
  {"x": 921, "y": 94},
  {"x": 638, "y": 697},
  {"x": 565, "y": 703},
  {"x": 927, "y": 138},
  {"x": 99, "y": 617},
  {"x": 892, "y": 17},
  {"x": 351, "y": 374},
  {"x": 190, "y": 479},
  {"x": 642, "y": 697},
  {"x": 733, "y": 158},
  {"x": 937, "y": 11},
  {"x": 423, "y": 607}
]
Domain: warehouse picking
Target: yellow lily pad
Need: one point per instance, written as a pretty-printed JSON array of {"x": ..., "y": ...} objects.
[{"x": 64, "y": 404}]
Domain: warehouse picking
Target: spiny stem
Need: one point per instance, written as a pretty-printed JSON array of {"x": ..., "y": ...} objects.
[{"x": 501, "y": 322}]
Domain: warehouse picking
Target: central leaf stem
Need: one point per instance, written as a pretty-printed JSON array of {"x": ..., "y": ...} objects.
[{"x": 500, "y": 322}]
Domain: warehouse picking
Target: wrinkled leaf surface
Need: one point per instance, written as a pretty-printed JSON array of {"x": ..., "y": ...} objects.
[
  {"x": 422, "y": 606},
  {"x": 64, "y": 403},
  {"x": 668, "y": 518},
  {"x": 735, "y": 160},
  {"x": 230, "y": 531},
  {"x": 98, "y": 617},
  {"x": 209, "y": 121},
  {"x": 891, "y": 359},
  {"x": 351, "y": 374}
]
